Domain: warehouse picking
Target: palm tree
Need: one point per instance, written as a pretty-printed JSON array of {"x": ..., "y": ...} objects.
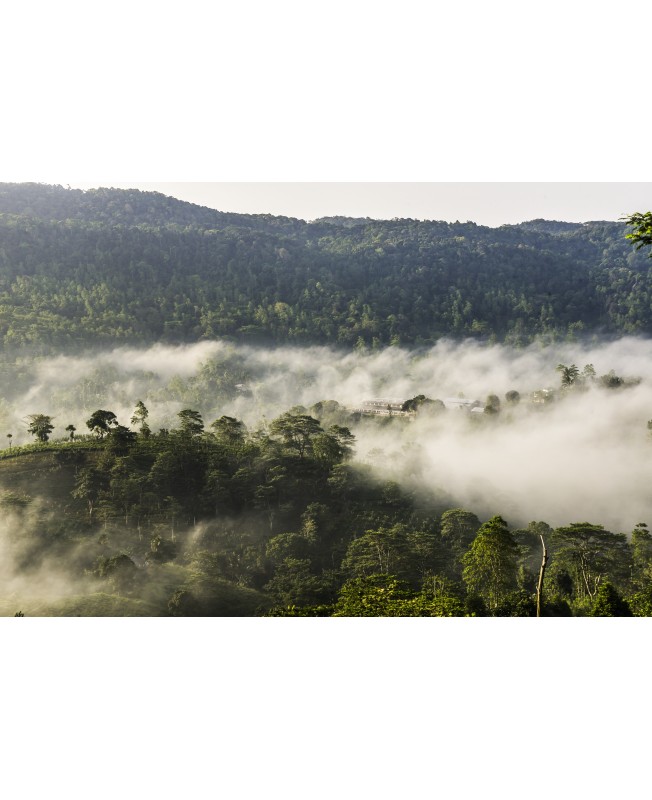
[{"x": 568, "y": 374}]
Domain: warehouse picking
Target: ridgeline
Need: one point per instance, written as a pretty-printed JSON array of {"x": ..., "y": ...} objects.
[{"x": 110, "y": 265}]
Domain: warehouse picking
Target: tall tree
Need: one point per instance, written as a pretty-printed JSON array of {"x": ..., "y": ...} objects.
[
  {"x": 139, "y": 417},
  {"x": 40, "y": 426},
  {"x": 589, "y": 554},
  {"x": 100, "y": 422},
  {"x": 490, "y": 562},
  {"x": 569, "y": 375},
  {"x": 192, "y": 423},
  {"x": 296, "y": 431},
  {"x": 383, "y": 551},
  {"x": 608, "y": 603},
  {"x": 229, "y": 430},
  {"x": 458, "y": 529},
  {"x": 641, "y": 545}
]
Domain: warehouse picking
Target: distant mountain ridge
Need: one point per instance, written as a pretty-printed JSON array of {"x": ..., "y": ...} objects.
[
  {"x": 122, "y": 265},
  {"x": 130, "y": 207}
]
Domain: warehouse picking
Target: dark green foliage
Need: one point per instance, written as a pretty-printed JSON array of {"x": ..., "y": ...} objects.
[
  {"x": 641, "y": 233},
  {"x": 119, "y": 568},
  {"x": 490, "y": 563},
  {"x": 230, "y": 430},
  {"x": 191, "y": 422},
  {"x": 383, "y": 551},
  {"x": 281, "y": 521},
  {"x": 583, "y": 554},
  {"x": 377, "y": 595},
  {"x": 608, "y": 603},
  {"x": 297, "y": 432},
  {"x": 458, "y": 530},
  {"x": 184, "y": 604},
  {"x": 423, "y": 406},
  {"x": 111, "y": 265},
  {"x": 641, "y": 545},
  {"x": 531, "y": 552},
  {"x": 518, "y": 603},
  {"x": 162, "y": 550},
  {"x": 640, "y": 603},
  {"x": 294, "y": 583},
  {"x": 217, "y": 597},
  {"x": 40, "y": 426},
  {"x": 100, "y": 422},
  {"x": 569, "y": 375},
  {"x": 140, "y": 418}
]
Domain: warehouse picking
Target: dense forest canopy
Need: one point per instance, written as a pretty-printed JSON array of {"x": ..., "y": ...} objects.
[
  {"x": 210, "y": 518},
  {"x": 111, "y": 265}
]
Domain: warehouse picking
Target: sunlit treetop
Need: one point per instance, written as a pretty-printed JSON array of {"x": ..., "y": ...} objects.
[{"x": 641, "y": 234}]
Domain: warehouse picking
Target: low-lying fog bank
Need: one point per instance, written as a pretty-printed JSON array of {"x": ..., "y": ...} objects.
[{"x": 586, "y": 456}]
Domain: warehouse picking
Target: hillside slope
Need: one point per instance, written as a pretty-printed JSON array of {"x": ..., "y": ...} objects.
[{"x": 113, "y": 265}]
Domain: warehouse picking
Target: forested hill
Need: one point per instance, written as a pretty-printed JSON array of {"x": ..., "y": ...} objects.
[{"x": 111, "y": 265}]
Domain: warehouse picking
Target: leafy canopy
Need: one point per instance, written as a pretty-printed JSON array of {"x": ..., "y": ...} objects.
[{"x": 641, "y": 234}]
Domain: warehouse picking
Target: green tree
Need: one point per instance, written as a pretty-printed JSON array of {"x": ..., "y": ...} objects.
[
  {"x": 285, "y": 546},
  {"x": 458, "y": 530},
  {"x": 40, "y": 426},
  {"x": 229, "y": 430},
  {"x": 120, "y": 439},
  {"x": 192, "y": 423},
  {"x": 183, "y": 603},
  {"x": 422, "y": 404},
  {"x": 89, "y": 486},
  {"x": 294, "y": 583},
  {"x": 333, "y": 447},
  {"x": 641, "y": 545},
  {"x": 608, "y": 603},
  {"x": 492, "y": 404},
  {"x": 588, "y": 373},
  {"x": 490, "y": 563},
  {"x": 383, "y": 551},
  {"x": 586, "y": 554},
  {"x": 100, "y": 422},
  {"x": 641, "y": 233},
  {"x": 71, "y": 431},
  {"x": 376, "y": 595},
  {"x": 139, "y": 417},
  {"x": 569, "y": 375},
  {"x": 529, "y": 545},
  {"x": 297, "y": 432},
  {"x": 640, "y": 602}
]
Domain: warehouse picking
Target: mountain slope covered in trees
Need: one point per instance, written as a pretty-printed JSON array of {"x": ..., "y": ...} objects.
[
  {"x": 217, "y": 520},
  {"x": 111, "y": 265}
]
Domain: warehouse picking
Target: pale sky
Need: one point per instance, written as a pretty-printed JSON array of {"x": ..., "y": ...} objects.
[{"x": 485, "y": 203}]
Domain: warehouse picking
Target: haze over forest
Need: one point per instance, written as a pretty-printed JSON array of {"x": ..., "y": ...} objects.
[{"x": 259, "y": 324}]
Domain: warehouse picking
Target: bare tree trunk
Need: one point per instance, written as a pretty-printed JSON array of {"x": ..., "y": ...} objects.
[{"x": 542, "y": 571}]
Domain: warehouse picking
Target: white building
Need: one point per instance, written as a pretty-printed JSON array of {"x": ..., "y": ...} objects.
[{"x": 463, "y": 404}]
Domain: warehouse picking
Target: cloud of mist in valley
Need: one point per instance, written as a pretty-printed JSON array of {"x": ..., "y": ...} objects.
[
  {"x": 587, "y": 456},
  {"x": 34, "y": 572}
]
